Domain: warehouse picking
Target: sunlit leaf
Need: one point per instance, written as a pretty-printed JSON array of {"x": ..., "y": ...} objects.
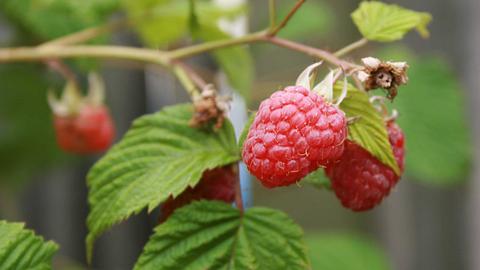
[
  {"x": 384, "y": 22},
  {"x": 368, "y": 129},
  {"x": 345, "y": 252}
]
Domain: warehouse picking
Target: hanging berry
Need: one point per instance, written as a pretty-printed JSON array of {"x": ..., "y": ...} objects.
[{"x": 83, "y": 124}]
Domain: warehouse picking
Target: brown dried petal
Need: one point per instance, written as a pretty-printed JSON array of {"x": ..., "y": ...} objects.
[
  {"x": 209, "y": 107},
  {"x": 386, "y": 75}
]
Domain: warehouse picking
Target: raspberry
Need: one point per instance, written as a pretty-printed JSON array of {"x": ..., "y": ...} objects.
[
  {"x": 295, "y": 131},
  {"x": 83, "y": 124},
  {"x": 91, "y": 130},
  {"x": 359, "y": 179},
  {"x": 217, "y": 184}
]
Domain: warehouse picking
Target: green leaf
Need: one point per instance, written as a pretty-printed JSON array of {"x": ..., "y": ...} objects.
[
  {"x": 49, "y": 19},
  {"x": 214, "y": 235},
  {"x": 22, "y": 249},
  {"x": 369, "y": 129},
  {"x": 236, "y": 62},
  {"x": 318, "y": 179},
  {"x": 161, "y": 22},
  {"x": 160, "y": 156},
  {"x": 158, "y": 22},
  {"x": 383, "y": 22},
  {"x": 433, "y": 117},
  {"x": 246, "y": 128},
  {"x": 193, "y": 17},
  {"x": 345, "y": 252}
]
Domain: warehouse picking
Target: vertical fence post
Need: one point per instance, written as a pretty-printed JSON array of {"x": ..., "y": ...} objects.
[{"x": 238, "y": 112}]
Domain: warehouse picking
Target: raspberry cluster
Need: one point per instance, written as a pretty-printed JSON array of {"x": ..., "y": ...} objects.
[
  {"x": 295, "y": 131},
  {"x": 217, "y": 184},
  {"x": 359, "y": 179}
]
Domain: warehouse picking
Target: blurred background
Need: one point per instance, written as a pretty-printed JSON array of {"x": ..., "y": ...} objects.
[{"x": 430, "y": 221}]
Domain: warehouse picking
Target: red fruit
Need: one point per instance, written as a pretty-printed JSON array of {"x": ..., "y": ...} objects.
[
  {"x": 359, "y": 179},
  {"x": 217, "y": 184},
  {"x": 294, "y": 132},
  {"x": 91, "y": 130}
]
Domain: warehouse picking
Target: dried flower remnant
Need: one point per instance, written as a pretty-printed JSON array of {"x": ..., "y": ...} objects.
[
  {"x": 208, "y": 106},
  {"x": 387, "y": 75}
]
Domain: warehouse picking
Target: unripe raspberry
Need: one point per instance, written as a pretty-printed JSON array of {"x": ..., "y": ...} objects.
[
  {"x": 217, "y": 184},
  {"x": 359, "y": 179},
  {"x": 89, "y": 131},
  {"x": 295, "y": 131}
]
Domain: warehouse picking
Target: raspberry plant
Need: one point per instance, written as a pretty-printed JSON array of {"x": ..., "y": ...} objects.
[{"x": 186, "y": 156}]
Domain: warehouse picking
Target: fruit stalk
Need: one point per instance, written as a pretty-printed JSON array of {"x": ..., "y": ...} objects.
[
  {"x": 351, "y": 47},
  {"x": 272, "y": 13},
  {"x": 238, "y": 190}
]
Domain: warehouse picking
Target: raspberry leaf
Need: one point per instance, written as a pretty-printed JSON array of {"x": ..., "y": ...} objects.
[
  {"x": 318, "y": 179},
  {"x": 161, "y": 155},
  {"x": 214, "y": 235},
  {"x": 383, "y": 22},
  {"x": 245, "y": 130},
  {"x": 369, "y": 130},
  {"x": 22, "y": 249}
]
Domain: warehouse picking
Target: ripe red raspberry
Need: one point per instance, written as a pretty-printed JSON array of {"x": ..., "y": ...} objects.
[
  {"x": 360, "y": 180},
  {"x": 217, "y": 184},
  {"x": 294, "y": 132},
  {"x": 91, "y": 130}
]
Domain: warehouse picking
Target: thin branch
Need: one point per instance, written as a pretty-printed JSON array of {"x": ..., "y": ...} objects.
[
  {"x": 287, "y": 18},
  {"x": 186, "y": 81},
  {"x": 158, "y": 57},
  {"x": 86, "y": 34},
  {"x": 62, "y": 69},
  {"x": 28, "y": 54},
  {"x": 312, "y": 51},
  {"x": 272, "y": 13},
  {"x": 194, "y": 76},
  {"x": 349, "y": 48},
  {"x": 213, "y": 45}
]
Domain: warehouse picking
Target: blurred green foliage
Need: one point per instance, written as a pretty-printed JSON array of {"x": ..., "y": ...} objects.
[
  {"x": 433, "y": 117},
  {"x": 310, "y": 22},
  {"x": 344, "y": 252},
  {"x": 27, "y": 141},
  {"x": 49, "y": 19},
  {"x": 434, "y": 120},
  {"x": 236, "y": 62},
  {"x": 163, "y": 22}
]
